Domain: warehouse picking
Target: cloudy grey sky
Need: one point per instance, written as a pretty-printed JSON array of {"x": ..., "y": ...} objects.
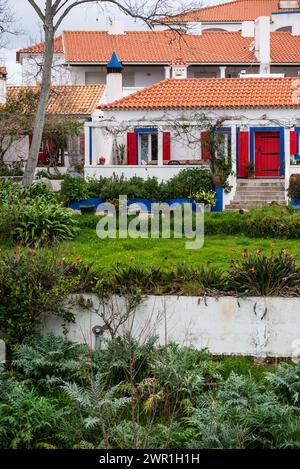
[{"x": 82, "y": 18}]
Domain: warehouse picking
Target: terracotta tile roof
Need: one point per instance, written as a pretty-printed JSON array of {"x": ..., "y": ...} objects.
[
  {"x": 156, "y": 47},
  {"x": 165, "y": 46},
  {"x": 237, "y": 10},
  {"x": 162, "y": 47},
  {"x": 39, "y": 48},
  {"x": 67, "y": 100},
  {"x": 219, "y": 93}
]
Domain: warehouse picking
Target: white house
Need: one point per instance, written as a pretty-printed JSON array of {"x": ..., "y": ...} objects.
[
  {"x": 230, "y": 16},
  {"x": 227, "y": 40},
  {"x": 159, "y": 126}
]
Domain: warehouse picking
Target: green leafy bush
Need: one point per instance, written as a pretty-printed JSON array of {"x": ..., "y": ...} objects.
[
  {"x": 267, "y": 222},
  {"x": 294, "y": 186},
  {"x": 32, "y": 216},
  {"x": 141, "y": 395},
  {"x": 41, "y": 223},
  {"x": 50, "y": 360},
  {"x": 16, "y": 170},
  {"x": 73, "y": 189},
  {"x": 30, "y": 285},
  {"x": 260, "y": 275},
  {"x": 27, "y": 419},
  {"x": 188, "y": 182}
]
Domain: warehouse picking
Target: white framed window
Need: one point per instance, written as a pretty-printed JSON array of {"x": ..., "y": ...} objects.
[
  {"x": 223, "y": 144},
  {"x": 147, "y": 148}
]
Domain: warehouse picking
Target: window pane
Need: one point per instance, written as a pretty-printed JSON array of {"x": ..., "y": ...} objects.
[
  {"x": 154, "y": 148},
  {"x": 144, "y": 147}
]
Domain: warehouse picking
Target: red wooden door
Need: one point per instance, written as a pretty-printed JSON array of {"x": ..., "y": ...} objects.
[{"x": 267, "y": 154}]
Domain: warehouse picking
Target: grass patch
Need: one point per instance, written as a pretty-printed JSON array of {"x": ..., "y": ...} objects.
[{"x": 218, "y": 250}]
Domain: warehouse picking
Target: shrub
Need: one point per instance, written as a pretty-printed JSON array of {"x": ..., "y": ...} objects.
[
  {"x": 188, "y": 182},
  {"x": 257, "y": 274},
  {"x": 30, "y": 285},
  {"x": 294, "y": 186},
  {"x": 73, "y": 189},
  {"x": 94, "y": 187},
  {"x": 27, "y": 420},
  {"x": 12, "y": 193},
  {"x": 14, "y": 171},
  {"x": 42, "y": 223},
  {"x": 50, "y": 360},
  {"x": 266, "y": 222}
]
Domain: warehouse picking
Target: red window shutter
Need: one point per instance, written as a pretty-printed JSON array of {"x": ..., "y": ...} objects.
[
  {"x": 131, "y": 148},
  {"x": 243, "y": 153},
  {"x": 166, "y": 146},
  {"x": 205, "y": 149},
  {"x": 293, "y": 142}
]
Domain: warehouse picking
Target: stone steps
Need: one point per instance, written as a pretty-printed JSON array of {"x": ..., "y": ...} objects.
[{"x": 255, "y": 193}]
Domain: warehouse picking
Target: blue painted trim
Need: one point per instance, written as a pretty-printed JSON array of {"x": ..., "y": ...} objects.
[
  {"x": 143, "y": 130},
  {"x": 297, "y": 157},
  {"x": 146, "y": 130},
  {"x": 237, "y": 152},
  {"x": 91, "y": 145},
  {"x": 268, "y": 129},
  {"x": 223, "y": 129},
  {"x": 286, "y": 12}
]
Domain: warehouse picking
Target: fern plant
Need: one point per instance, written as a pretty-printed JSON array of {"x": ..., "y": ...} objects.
[{"x": 50, "y": 360}]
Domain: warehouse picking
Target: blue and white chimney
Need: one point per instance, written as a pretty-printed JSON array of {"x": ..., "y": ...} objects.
[{"x": 114, "y": 79}]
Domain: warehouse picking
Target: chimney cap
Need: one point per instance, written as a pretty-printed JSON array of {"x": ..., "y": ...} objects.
[
  {"x": 114, "y": 63},
  {"x": 179, "y": 61}
]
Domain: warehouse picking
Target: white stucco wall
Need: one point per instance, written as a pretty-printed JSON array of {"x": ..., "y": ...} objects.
[
  {"x": 284, "y": 19},
  {"x": 32, "y": 69},
  {"x": 250, "y": 326},
  {"x": 143, "y": 75},
  {"x": 162, "y": 173},
  {"x": 18, "y": 151}
]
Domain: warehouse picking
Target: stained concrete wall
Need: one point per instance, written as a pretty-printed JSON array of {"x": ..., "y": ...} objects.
[{"x": 250, "y": 326}]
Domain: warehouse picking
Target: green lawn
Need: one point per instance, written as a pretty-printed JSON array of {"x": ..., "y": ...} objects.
[{"x": 218, "y": 249}]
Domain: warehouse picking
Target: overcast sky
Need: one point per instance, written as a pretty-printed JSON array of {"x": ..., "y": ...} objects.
[{"x": 82, "y": 18}]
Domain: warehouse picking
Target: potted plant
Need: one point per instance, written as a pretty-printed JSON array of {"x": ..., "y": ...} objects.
[
  {"x": 250, "y": 170},
  {"x": 217, "y": 181},
  {"x": 101, "y": 160},
  {"x": 208, "y": 198}
]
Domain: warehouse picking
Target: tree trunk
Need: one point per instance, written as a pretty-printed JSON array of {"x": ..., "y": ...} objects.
[{"x": 32, "y": 160}]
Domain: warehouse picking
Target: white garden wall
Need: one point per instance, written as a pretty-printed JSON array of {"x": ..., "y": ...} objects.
[{"x": 251, "y": 326}]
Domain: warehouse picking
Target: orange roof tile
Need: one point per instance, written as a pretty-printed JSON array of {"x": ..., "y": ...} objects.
[
  {"x": 67, "y": 100},
  {"x": 156, "y": 47},
  {"x": 234, "y": 11},
  {"x": 162, "y": 47},
  {"x": 209, "y": 93},
  {"x": 39, "y": 48},
  {"x": 165, "y": 46}
]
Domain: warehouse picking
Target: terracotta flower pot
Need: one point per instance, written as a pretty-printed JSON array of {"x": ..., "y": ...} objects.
[{"x": 217, "y": 181}]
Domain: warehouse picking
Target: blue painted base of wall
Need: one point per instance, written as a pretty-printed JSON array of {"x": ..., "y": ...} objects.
[
  {"x": 92, "y": 201},
  {"x": 219, "y": 200},
  {"x": 296, "y": 204},
  {"x": 147, "y": 202}
]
